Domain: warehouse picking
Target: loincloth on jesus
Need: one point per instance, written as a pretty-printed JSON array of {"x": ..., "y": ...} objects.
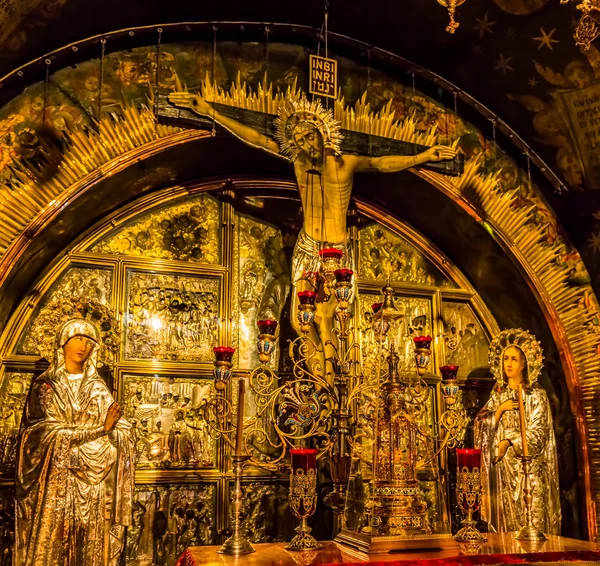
[{"x": 306, "y": 257}]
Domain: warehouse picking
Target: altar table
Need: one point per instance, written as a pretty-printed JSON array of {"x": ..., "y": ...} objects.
[{"x": 499, "y": 549}]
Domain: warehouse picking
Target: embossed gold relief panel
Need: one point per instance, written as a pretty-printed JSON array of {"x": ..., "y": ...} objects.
[
  {"x": 15, "y": 386},
  {"x": 382, "y": 251},
  {"x": 188, "y": 231},
  {"x": 465, "y": 340},
  {"x": 166, "y": 520},
  {"x": 170, "y": 426},
  {"x": 416, "y": 322},
  {"x": 265, "y": 512},
  {"x": 261, "y": 285},
  {"x": 85, "y": 282},
  {"x": 171, "y": 317}
]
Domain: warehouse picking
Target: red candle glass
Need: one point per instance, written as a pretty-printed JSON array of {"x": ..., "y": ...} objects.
[
  {"x": 267, "y": 326},
  {"x": 468, "y": 486},
  {"x": 223, "y": 353},
  {"x": 449, "y": 372},
  {"x": 303, "y": 458},
  {"x": 468, "y": 458},
  {"x": 307, "y": 297},
  {"x": 331, "y": 253},
  {"x": 343, "y": 275},
  {"x": 303, "y": 482},
  {"x": 423, "y": 341}
]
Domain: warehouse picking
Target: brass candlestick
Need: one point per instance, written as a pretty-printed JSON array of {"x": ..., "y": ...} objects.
[
  {"x": 528, "y": 531},
  {"x": 236, "y": 544}
]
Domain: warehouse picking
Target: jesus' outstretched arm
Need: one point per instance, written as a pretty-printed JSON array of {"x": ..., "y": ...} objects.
[
  {"x": 393, "y": 163},
  {"x": 247, "y": 134}
]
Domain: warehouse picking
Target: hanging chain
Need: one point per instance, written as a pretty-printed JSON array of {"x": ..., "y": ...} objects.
[
  {"x": 494, "y": 123},
  {"x": 213, "y": 133},
  {"x": 101, "y": 78},
  {"x": 157, "y": 73},
  {"x": 46, "y": 81},
  {"x": 266, "y": 78},
  {"x": 368, "y": 95},
  {"x": 528, "y": 156}
]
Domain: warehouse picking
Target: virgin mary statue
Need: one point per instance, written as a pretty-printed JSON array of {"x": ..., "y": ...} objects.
[
  {"x": 75, "y": 461},
  {"x": 516, "y": 359}
]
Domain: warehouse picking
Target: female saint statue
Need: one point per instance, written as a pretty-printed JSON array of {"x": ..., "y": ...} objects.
[
  {"x": 516, "y": 358},
  {"x": 75, "y": 461}
]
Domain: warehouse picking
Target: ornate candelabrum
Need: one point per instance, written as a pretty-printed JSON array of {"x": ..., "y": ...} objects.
[
  {"x": 468, "y": 492},
  {"x": 314, "y": 404},
  {"x": 318, "y": 403},
  {"x": 303, "y": 496}
]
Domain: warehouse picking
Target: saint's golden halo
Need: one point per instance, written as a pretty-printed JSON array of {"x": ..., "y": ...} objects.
[
  {"x": 59, "y": 311},
  {"x": 523, "y": 340},
  {"x": 296, "y": 114}
]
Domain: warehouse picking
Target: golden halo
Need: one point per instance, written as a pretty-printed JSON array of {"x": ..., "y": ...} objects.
[
  {"x": 296, "y": 114},
  {"x": 59, "y": 311},
  {"x": 523, "y": 340}
]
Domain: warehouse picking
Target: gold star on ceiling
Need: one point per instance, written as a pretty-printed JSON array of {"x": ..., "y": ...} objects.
[
  {"x": 594, "y": 242},
  {"x": 546, "y": 39},
  {"x": 484, "y": 25},
  {"x": 503, "y": 64},
  {"x": 532, "y": 82}
]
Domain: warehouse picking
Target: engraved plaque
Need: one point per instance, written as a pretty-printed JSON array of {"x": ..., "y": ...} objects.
[
  {"x": 170, "y": 317},
  {"x": 170, "y": 426}
]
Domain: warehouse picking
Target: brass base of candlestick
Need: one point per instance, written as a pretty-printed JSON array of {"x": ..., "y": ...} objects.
[
  {"x": 528, "y": 531},
  {"x": 303, "y": 540},
  {"x": 236, "y": 544}
]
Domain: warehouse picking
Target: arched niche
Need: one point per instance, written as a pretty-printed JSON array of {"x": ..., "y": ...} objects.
[{"x": 492, "y": 224}]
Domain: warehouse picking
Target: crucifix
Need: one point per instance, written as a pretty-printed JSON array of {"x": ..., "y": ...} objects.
[{"x": 325, "y": 159}]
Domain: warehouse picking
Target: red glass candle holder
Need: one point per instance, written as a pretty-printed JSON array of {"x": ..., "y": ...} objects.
[
  {"x": 303, "y": 496},
  {"x": 307, "y": 297},
  {"x": 267, "y": 327},
  {"x": 222, "y": 369},
  {"x": 223, "y": 353},
  {"x": 423, "y": 342},
  {"x": 331, "y": 253},
  {"x": 468, "y": 458},
  {"x": 303, "y": 459},
  {"x": 422, "y": 353},
  {"x": 343, "y": 275},
  {"x": 266, "y": 340},
  {"x": 449, "y": 373}
]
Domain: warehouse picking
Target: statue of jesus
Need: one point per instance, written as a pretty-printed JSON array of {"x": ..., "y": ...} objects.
[{"x": 309, "y": 137}]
